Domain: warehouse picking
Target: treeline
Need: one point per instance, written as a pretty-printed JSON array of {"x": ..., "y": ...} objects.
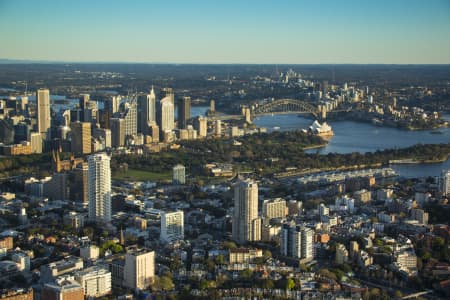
[{"x": 25, "y": 164}]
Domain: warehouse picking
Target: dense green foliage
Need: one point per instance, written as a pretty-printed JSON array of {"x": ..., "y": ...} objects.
[{"x": 25, "y": 164}]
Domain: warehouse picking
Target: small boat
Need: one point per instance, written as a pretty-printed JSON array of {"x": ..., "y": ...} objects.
[
  {"x": 377, "y": 122},
  {"x": 276, "y": 128}
]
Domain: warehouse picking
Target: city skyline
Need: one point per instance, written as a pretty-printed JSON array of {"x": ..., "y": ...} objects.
[{"x": 254, "y": 32}]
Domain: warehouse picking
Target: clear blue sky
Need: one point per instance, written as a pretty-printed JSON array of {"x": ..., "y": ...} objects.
[{"x": 227, "y": 31}]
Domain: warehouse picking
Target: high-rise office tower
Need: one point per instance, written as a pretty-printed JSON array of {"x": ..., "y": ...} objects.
[
  {"x": 43, "y": 112},
  {"x": 168, "y": 92},
  {"x": 130, "y": 117},
  {"x": 84, "y": 99},
  {"x": 24, "y": 104},
  {"x": 146, "y": 111},
  {"x": 172, "y": 226},
  {"x": 152, "y": 106},
  {"x": 81, "y": 137},
  {"x": 117, "y": 132},
  {"x": 115, "y": 103},
  {"x": 154, "y": 132},
  {"x": 166, "y": 114},
  {"x": 6, "y": 131},
  {"x": 325, "y": 87},
  {"x": 246, "y": 224},
  {"x": 104, "y": 118},
  {"x": 78, "y": 184},
  {"x": 139, "y": 269},
  {"x": 104, "y": 135},
  {"x": 445, "y": 183},
  {"x": 184, "y": 112},
  {"x": 218, "y": 128},
  {"x": 201, "y": 124},
  {"x": 99, "y": 187},
  {"x": 36, "y": 142}
]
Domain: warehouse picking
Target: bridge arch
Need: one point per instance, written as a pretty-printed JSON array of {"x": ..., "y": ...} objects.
[{"x": 285, "y": 106}]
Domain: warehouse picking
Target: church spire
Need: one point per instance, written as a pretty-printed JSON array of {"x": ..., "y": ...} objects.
[{"x": 122, "y": 237}]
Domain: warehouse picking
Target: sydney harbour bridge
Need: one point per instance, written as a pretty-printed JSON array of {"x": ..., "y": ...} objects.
[
  {"x": 284, "y": 106},
  {"x": 275, "y": 107}
]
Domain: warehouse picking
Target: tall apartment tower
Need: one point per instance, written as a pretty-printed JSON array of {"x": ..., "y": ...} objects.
[
  {"x": 139, "y": 269},
  {"x": 179, "y": 174},
  {"x": 81, "y": 137},
  {"x": 291, "y": 240},
  {"x": 172, "y": 226},
  {"x": 307, "y": 243},
  {"x": 297, "y": 241},
  {"x": 246, "y": 224},
  {"x": 184, "y": 112},
  {"x": 99, "y": 187},
  {"x": 43, "y": 112}
]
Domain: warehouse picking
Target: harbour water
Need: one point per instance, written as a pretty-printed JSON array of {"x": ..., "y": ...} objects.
[{"x": 352, "y": 136}]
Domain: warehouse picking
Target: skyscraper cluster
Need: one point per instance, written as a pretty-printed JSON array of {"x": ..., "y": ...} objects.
[{"x": 139, "y": 119}]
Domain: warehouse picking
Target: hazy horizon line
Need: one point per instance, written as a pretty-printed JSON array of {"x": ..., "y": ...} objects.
[{"x": 43, "y": 61}]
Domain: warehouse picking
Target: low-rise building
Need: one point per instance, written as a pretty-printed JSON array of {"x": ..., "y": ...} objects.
[
  {"x": 89, "y": 252},
  {"x": 17, "y": 294},
  {"x": 244, "y": 255},
  {"x": 64, "y": 288},
  {"x": 274, "y": 208},
  {"x": 96, "y": 281},
  {"x": 341, "y": 254},
  {"x": 52, "y": 270}
]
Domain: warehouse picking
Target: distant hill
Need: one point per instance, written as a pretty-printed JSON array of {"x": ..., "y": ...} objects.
[{"x": 23, "y": 61}]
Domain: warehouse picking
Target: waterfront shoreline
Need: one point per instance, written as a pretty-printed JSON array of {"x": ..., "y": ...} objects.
[
  {"x": 389, "y": 125},
  {"x": 412, "y": 161},
  {"x": 315, "y": 146}
]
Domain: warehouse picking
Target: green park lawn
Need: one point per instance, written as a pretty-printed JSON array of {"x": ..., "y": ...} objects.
[{"x": 141, "y": 175}]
